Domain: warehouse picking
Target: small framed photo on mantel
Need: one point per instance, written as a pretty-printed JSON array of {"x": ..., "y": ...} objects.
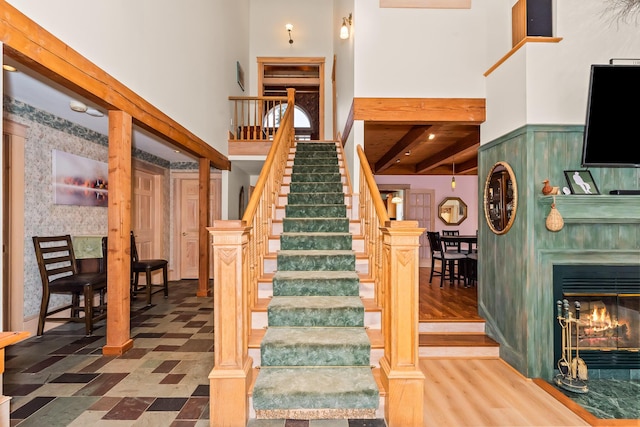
[{"x": 581, "y": 182}]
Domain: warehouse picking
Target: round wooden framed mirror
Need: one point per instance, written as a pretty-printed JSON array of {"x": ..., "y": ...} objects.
[
  {"x": 500, "y": 198},
  {"x": 452, "y": 210}
]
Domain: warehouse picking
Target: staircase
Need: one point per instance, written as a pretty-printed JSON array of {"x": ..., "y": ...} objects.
[{"x": 315, "y": 356}]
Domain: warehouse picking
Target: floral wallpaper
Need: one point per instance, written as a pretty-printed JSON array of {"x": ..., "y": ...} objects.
[{"x": 45, "y": 133}]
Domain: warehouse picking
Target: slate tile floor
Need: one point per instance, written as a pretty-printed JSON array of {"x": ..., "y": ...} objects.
[{"x": 62, "y": 379}]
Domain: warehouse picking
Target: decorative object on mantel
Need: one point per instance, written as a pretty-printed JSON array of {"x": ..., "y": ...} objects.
[
  {"x": 554, "y": 220},
  {"x": 547, "y": 189},
  {"x": 581, "y": 182}
]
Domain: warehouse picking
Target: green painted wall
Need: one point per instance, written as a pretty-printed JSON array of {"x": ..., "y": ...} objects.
[{"x": 515, "y": 287}]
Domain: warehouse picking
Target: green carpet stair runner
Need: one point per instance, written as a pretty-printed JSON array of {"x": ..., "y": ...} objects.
[{"x": 315, "y": 355}]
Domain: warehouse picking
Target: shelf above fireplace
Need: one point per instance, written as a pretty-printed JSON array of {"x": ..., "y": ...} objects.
[{"x": 595, "y": 209}]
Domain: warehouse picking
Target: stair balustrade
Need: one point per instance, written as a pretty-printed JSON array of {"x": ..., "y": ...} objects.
[
  {"x": 239, "y": 248},
  {"x": 393, "y": 247},
  {"x": 256, "y": 118}
]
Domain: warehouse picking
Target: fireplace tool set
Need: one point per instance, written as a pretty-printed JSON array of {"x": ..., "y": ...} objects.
[{"x": 573, "y": 370}]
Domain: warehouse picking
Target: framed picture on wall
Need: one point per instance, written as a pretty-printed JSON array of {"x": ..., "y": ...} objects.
[
  {"x": 78, "y": 180},
  {"x": 581, "y": 182},
  {"x": 240, "y": 75}
]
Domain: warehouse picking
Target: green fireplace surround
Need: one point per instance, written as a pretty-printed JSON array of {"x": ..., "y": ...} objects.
[{"x": 515, "y": 292}]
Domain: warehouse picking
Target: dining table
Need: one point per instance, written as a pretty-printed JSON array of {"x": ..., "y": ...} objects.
[{"x": 469, "y": 239}]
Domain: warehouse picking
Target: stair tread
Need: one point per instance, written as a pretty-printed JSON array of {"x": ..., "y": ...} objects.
[
  {"x": 310, "y": 274},
  {"x": 315, "y": 302},
  {"x": 333, "y": 252},
  {"x": 375, "y": 336},
  {"x": 316, "y": 387},
  {"x": 456, "y": 340}
]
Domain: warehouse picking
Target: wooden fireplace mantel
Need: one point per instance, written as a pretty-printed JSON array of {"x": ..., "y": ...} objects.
[{"x": 595, "y": 209}]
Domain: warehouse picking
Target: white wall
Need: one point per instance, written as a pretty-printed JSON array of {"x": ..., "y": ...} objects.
[
  {"x": 547, "y": 83},
  {"x": 180, "y": 59},
  {"x": 312, "y": 37},
  {"x": 343, "y": 50},
  {"x": 420, "y": 52}
]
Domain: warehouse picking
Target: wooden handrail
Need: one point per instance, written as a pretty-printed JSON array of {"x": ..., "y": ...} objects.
[
  {"x": 380, "y": 208},
  {"x": 260, "y": 208},
  {"x": 392, "y": 249}
]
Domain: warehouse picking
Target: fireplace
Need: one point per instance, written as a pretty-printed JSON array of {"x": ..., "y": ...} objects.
[{"x": 608, "y": 297}]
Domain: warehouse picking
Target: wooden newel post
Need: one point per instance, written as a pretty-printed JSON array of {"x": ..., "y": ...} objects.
[
  {"x": 400, "y": 372},
  {"x": 230, "y": 379}
]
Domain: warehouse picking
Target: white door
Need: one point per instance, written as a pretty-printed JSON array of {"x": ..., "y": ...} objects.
[
  {"x": 189, "y": 224},
  {"x": 189, "y": 249},
  {"x": 146, "y": 216},
  {"x": 419, "y": 206}
]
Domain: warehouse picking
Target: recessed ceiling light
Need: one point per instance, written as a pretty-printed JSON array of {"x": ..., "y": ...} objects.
[
  {"x": 77, "y": 106},
  {"x": 93, "y": 112},
  {"x": 397, "y": 160},
  {"x": 432, "y": 135},
  {"x": 7, "y": 67},
  {"x": 408, "y": 153}
]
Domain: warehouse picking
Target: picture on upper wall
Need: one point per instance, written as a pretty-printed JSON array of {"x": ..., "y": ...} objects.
[{"x": 78, "y": 180}]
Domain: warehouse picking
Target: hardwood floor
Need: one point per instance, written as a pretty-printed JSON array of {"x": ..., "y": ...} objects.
[
  {"x": 450, "y": 303},
  {"x": 478, "y": 391}
]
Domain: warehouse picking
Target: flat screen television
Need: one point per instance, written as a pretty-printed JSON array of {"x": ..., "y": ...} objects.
[{"x": 612, "y": 129}]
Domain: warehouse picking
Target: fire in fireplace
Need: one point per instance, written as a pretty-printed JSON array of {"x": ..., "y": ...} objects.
[{"x": 609, "y": 324}]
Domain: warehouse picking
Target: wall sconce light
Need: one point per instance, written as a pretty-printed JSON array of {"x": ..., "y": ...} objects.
[
  {"x": 344, "y": 29},
  {"x": 396, "y": 200},
  {"x": 289, "y": 28}
]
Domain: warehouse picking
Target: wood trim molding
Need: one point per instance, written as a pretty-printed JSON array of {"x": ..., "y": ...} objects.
[
  {"x": 518, "y": 46},
  {"x": 469, "y": 111}
]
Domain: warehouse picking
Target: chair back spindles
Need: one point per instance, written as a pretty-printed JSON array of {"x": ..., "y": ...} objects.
[{"x": 59, "y": 275}]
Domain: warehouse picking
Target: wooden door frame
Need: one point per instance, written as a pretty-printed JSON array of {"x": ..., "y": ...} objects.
[
  {"x": 315, "y": 61},
  {"x": 13, "y": 203},
  {"x": 158, "y": 217}
]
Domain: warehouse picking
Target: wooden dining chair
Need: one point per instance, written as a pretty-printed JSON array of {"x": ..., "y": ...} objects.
[
  {"x": 59, "y": 275},
  {"x": 449, "y": 261},
  {"x": 147, "y": 266},
  {"x": 451, "y": 246}
]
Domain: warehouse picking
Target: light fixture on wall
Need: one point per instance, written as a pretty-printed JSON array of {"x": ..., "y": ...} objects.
[
  {"x": 289, "y": 28},
  {"x": 453, "y": 177},
  {"x": 396, "y": 200},
  {"x": 344, "y": 29}
]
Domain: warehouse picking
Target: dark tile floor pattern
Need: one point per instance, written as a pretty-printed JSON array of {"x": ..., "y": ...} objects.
[{"x": 62, "y": 379}]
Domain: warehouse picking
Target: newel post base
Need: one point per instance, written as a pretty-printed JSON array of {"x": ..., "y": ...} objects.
[
  {"x": 400, "y": 371},
  {"x": 231, "y": 377}
]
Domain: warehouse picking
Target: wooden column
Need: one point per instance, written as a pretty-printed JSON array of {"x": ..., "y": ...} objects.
[
  {"x": 203, "y": 221},
  {"x": 231, "y": 377},
  {"x": 119, "y": 239},
  {"x": 400, "y": 372}
]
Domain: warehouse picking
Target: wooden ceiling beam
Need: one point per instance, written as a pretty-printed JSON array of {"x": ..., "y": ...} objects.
[
  {"x": 470, "y": 166},
  {"x": 412, "y": 138},
  {"x": 449, "y": 153},
  {"x": 469, "y": 111}
]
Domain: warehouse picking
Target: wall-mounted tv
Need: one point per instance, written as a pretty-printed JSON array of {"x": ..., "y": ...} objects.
[{"x": 612, "y": 129}]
